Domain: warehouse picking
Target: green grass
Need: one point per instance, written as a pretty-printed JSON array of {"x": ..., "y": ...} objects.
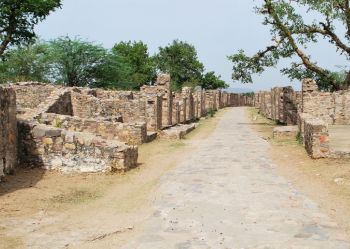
[{"x": 74, "y": 196}]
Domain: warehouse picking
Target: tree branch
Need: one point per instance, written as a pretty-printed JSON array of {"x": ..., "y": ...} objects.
[
  {"x": 288, "y": 34},
  {"x": 327, "y": 32}
]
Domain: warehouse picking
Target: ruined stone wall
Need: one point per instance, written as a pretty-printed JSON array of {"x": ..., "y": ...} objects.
[
  {"x": 88, "y": 130},
  {"x": 30, "y": 95},
  {"x": 8, "y": 131},
  {"x": 276, "y": 104},
  {"x": 198, "y": 101},
  {"x": 150, "y": 107},
  {"x": 63, "y": 105},
  {"x": 176, "y": 113},
  {"x": 266, "y": 104},
  {"x": 210, "y": 100},
  {"x": 162, "y": 89},
  {"x": 130, "y": 133},
  {"x": 316, "y": 138},
  {"x": 117, "y": 95},
  {"x": 187, "y": 93},
  {"x": 132, "y": 111},
  {"x": 85, "y": 106},
  {"x": 280, "y": 104},
  {"x": 342, "y": 107},
  {"x": 183, "y": 110},
  {"x": 55, "y": 148},
  {"x": 332, "y": 108},
  {"x": 291, "y": 102}
]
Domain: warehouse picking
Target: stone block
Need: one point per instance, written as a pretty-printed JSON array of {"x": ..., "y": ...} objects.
[{"x": 285, "y": 132}]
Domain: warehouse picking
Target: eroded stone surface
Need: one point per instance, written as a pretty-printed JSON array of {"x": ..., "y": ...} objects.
[
  {"x": 8, "y": 131},
  {"x": 228, "y": 195}
]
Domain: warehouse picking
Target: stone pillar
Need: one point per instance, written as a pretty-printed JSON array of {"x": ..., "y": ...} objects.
[
  {"x": 187, "y": 94},
  {"x": 8, "y": 131},
  {"x": 164, "y": 86}
]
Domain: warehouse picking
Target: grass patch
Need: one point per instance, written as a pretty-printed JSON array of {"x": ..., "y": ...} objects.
[
  {"x": 74, "y": 196},
  {"x": 300, "y": 138}
]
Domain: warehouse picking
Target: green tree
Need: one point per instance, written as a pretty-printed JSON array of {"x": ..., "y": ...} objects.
[
  {"x": 29, "y": 63},
  {"x": 114, "y": 73},
  {"x": 211, "y": 81},
  {"x": 18, "y": 19},
  {"x": 180, "y": 60},
  {"x": 291, "y": 35},
  {"x": 75, "y": 62},
  {"x": 135, "y": 55}
]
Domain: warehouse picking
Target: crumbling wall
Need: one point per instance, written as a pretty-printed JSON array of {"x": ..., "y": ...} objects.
[
  {"x": 162, "y": 89},
  {"x": 8, "y": 131},
  {"x": 85, "y": 106},
  {"x": 31, "y": 94},
  {"x": 63, "y": 105},
  {"x": 280, "y": 104},
  {"x": 187, "y": 93},
  {"x": 316, "y": 138},
  {"x": 82, "y": 129},
  {"x": 332, "y": 108},
  {"x": 130, "y": 133},
  {"x": 55, "y": 148}
]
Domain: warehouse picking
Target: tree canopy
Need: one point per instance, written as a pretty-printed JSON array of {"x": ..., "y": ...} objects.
[
  {"x": 127, "y": 66},
  {"x": 291, "y": 36},
  {"x": 211, "y": 81},
  {"x": 29, "y": 63},
  {"x": 180, "y": 60},
  {"x": 18, "y": 19},
  {"x": 136, "y": 56},
  {"x": 75, "y": 62}
]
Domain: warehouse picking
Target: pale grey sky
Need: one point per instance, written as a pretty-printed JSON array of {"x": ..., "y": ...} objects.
[{"x": 217, "y": 28}]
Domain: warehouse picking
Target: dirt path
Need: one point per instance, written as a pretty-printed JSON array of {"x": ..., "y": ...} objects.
[
  {"x": 228, "y": 195},
  {"x": 218, "y": 189}
]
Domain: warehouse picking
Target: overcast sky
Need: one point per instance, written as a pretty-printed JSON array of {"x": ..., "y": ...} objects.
[{"x": 217, "y": 28}]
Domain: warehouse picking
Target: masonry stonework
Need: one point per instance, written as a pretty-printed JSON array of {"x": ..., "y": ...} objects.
[
  {"x": 311, "y": 110},
  {"x": 79, "y": 129},
  {"x": 8, "y": 131}
]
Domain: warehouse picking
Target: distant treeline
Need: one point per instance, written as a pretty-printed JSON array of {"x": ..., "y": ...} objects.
[{"x": 127, "y": 66}]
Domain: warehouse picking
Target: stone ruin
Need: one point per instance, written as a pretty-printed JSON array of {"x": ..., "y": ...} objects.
[
  {"x": 8, "y": 131},
  {"x": 322, "y": 118},
  {"x": 74, "y": 129}
]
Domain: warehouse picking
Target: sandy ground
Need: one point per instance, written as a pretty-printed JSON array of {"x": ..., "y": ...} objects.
[{"x": 41, "y": 209}]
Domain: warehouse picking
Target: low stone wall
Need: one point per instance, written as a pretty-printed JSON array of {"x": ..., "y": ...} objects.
[
  {"x": 316, "y": 138},
  {"x": 130, "y": 133},
  {"x": 8, "y": 131},
  {"x": 55, "y": 148}
]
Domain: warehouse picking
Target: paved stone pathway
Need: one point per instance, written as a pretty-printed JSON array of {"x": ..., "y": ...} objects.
[{"x": 227, "y": 195}]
